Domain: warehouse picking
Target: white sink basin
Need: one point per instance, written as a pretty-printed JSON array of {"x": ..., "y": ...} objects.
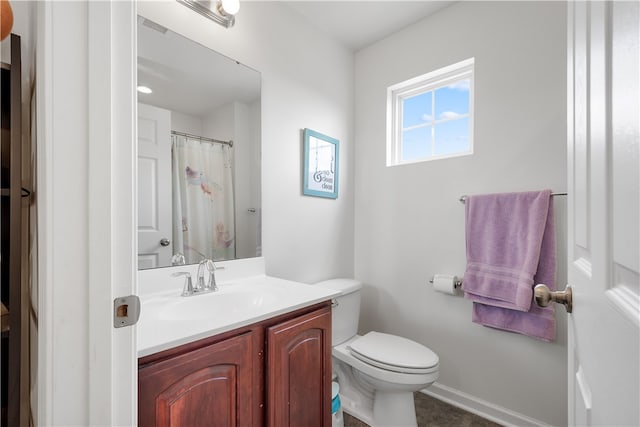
[
  {"x": 168, "y": 319},
  {"x": 228, "y": 300}
]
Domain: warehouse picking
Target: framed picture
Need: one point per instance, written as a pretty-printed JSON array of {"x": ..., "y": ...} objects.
[{"x": 320, "y": 172}]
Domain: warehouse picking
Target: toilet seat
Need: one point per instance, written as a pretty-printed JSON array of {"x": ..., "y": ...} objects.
[
  {"x": 342, "y": 353},
  {"x": 394, "y": 353}
]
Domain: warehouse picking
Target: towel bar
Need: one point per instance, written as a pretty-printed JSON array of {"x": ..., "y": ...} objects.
[{"x": 463, "y": 199}]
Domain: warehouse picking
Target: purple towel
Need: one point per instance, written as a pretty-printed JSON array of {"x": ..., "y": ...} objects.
[{"x": 510, "y": 248}]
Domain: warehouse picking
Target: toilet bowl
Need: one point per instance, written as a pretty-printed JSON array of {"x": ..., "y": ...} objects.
[{"x": 378, "y": 373}]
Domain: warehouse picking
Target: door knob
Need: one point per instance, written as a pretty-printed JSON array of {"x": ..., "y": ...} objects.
[
  {"x": 544, "y": 296},
  {"x": 165, "y": 242}
]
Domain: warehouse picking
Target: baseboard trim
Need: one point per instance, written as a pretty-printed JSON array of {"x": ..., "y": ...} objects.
[{"x": 481, "y": 407}]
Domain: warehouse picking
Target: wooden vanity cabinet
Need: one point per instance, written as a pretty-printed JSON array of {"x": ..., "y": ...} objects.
[
  {"x": 275, "y": 373},
  {"x": 205, "y": 387},
  {"x": 299, "y": 371}
]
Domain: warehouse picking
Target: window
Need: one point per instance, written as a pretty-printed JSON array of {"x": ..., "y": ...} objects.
[{"x": 431, "y": 116}]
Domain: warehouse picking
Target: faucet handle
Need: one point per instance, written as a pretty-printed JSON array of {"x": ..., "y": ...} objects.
[
  {"x": 188, "y": 284},
  {"x": 200, "y": 283},
  {"x": 211, "y": 268},
  {"x": 178, "y": 259}
]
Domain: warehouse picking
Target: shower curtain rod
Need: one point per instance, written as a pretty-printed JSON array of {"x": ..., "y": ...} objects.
[
  {"x": 463, "y": 199},
  {"x": 202, "y": 138}
]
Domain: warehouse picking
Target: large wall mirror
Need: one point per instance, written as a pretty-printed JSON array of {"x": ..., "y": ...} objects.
[{"x": 198, "y": 152}]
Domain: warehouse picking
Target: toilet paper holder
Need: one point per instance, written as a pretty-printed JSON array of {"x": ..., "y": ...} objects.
[{"x": 457, "y": 282}]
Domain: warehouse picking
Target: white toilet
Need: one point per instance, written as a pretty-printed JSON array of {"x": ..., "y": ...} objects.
[{"x": 377, "y": 372}]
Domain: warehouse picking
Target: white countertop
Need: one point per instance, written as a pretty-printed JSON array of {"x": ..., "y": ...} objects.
[{"x": 246, "y": 296}]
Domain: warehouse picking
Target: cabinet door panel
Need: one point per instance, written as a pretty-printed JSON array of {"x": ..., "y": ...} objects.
[
  {"x": 210, "y": 386},
  {"x": 197, "y": 397},
  {"x": 299, "y": 371}
]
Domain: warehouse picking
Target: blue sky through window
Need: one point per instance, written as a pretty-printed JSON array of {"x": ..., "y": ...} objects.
[
  {"x": 451, "y": 137},
  {"x": 446, "y": 132},
  {"x": 417, "y": 109},
  {"x": 414, "y": 143},
  {"x": 452, "y": 100}
]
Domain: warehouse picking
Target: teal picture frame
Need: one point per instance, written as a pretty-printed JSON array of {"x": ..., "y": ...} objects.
[{"x": 320, "y": 165}]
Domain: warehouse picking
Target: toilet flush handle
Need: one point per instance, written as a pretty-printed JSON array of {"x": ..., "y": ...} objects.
[{"x": 544, "y": 296}]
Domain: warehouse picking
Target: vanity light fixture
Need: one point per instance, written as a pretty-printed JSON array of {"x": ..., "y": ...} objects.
[
  {"x": 144, "y": 89},
  {"x": 229, "y": 7},
  {"x": 221, "y": 11}
]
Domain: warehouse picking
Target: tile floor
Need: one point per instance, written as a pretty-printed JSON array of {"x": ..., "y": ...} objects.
[{"x": 432, "y": 412}]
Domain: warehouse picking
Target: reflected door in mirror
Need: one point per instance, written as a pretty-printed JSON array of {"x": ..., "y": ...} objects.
[{"x": 154, "y": 187}]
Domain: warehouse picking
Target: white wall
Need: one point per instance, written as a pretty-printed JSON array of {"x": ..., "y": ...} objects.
[
  {"x": 307, "y": 81},
  {"x": 219, "y": 123},
  {"x": 408, "y": 220},
  {"x": 186, "y": 123},
  {"x": 244, "y": 152},
  {"x": 255, "y": 197}
]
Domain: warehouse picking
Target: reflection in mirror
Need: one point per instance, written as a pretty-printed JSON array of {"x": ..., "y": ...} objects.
[{"x": 198, "y": 152}]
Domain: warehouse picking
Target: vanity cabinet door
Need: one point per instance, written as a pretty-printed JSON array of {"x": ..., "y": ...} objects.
[
  {"x": 299, "y": 371},
  {"x": 210, "y": 386}
]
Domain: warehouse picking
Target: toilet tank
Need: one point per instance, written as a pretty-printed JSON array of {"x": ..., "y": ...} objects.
[{"x": 346, "y": 313}]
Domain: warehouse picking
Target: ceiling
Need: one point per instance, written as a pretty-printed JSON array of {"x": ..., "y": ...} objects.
[{"x": 357, "y": 24}]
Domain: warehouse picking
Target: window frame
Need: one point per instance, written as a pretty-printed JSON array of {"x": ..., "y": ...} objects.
[{"x": 431, "y": 81}]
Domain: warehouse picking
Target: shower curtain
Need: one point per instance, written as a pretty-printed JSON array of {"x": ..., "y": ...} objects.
[{"x": 203, "y": 205}]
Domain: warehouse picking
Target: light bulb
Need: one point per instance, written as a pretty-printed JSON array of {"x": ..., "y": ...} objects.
[
  {"x": 229, "y": 7},
  {"x": 144, "y": 89}
]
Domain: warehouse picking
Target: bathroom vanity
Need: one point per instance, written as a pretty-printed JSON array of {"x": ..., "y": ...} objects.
[{"x": 255, "y": 353}]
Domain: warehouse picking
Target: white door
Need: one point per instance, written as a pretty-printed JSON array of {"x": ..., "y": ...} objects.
[
  {"x": 154, "y": 187},
  {"x": 603, "y": 138}
]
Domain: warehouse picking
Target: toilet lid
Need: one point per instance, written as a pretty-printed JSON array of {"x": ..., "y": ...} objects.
[{"x": 394, "y": 353}]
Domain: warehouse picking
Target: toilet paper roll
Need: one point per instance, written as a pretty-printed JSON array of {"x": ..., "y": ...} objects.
[{"x": 444, "y": 283}]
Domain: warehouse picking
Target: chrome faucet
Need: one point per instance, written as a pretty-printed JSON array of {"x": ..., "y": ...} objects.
[
  {"x": 201, "y": 287},
  {"x": 211, "y": 267},
  {"x": 187, "y": 290},
  {"x": 210, "y": 285}
]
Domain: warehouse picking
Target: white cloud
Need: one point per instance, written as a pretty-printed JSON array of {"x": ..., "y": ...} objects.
[
  {"x": 447, "y": 115},
  {"x": 427, "y": 117},
  {"x": 462, "y": 85}
]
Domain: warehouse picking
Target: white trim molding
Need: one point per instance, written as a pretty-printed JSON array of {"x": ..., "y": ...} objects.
[
  {"x": 430, "y": 82},
  {"x": 112, "y": 209},
  {"x": 86, "y": 169},
  {"x": 44, "y": 194},
  {"x": 488, "y": 410}
]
